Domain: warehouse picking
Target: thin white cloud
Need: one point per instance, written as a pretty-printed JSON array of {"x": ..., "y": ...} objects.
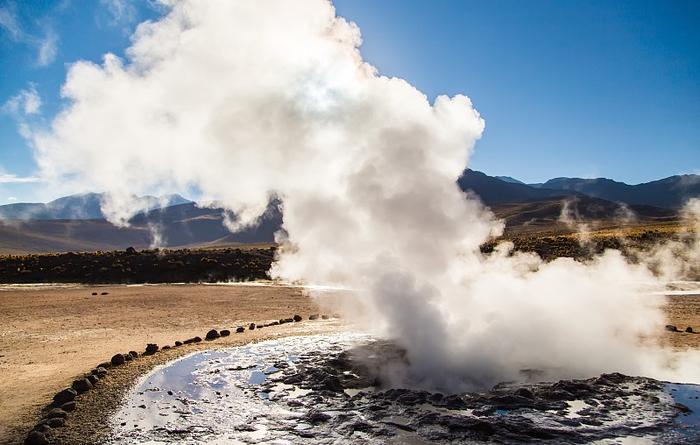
[
  {"x": 8, "y": 22},
  {"x": 47, "y": 48},
  {"x": 14, "y": 179},
  {"x": 26, "y": 102},
  {"x": 122, "y": 12},
  {"x": 46, "y": 45}
]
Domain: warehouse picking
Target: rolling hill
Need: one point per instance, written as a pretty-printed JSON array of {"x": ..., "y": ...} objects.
[
  {"x": 670, "y": 193},
  {"x": 76, "y": 223}
]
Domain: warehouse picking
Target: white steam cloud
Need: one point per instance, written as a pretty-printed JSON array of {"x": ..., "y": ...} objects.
[{"x": 246, "y": 100}]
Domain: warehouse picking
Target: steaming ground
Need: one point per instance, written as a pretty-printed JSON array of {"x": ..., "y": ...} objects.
[{"x": 248, "y": 101}]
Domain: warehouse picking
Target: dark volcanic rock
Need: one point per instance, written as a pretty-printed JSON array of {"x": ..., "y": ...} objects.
[
  {"x": 178, "y": 343},
  {"x": 225, "y": 333},
  {"x": 313, "y": 317},
  {"x": 82, "y": 385},
  {"x": 64, "y": 396},
  {"x": 56, "y": 422},
  {"x": 240, "y": 329},
  {"x": 68, "y": 406},
  {"x": 57, "y": 412},
  {"x": 133, "y": 354},
  {"x": 325, "y": 317},
  {"x": 197, "y": 339},
  {"x": 92, "y": 378},
  {"x": 151, "y": 348},
  {"x": 297, "y": 318},
  {"x": 212, "y": 335},
  {"x": 671, "y": 328},
  {"x": 251, "y": 326},
  {"x": 36, "y": 438},
  {"x": 689, "y": 329},
  {"x": 118, "y": 359}
]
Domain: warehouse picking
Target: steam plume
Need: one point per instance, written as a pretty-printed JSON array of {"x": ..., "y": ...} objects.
[{"x": 246, "y": 100}]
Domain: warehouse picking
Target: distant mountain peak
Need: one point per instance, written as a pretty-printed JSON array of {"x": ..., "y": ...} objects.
[{"x": 510, "y": 179}]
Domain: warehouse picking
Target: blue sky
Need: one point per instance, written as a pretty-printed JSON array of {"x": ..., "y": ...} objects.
[{"x": 585, "y": 88}]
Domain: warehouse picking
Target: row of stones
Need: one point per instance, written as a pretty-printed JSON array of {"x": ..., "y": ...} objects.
[
  {"x": 64, "y": 401},
  {"x": 672, "y": 328}
]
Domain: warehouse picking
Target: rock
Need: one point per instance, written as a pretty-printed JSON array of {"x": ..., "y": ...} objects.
[
  {"x": 671, "y": 328},
  {"x": 36, "y": 438},
  {"x": 165, "y": 348},
  {"x": 128, "y": 357},
  {"x": 288, "y": 320},
  {"x": 240, "y": 329},
  {"x": 57, "y": 412},
  {"x": 316, "y": 417},
  {"x": 82, "y": 385},
  {"x": 313, "y": 317},
  {"x": 42, "y": 427},
  {"x": 282, "y": 321},
  {"x": 118, "y": 359},
  {"x": 92, "y": 378},
  {"x": 297, "y": 318},
  {"x": 689, "y": 330},
  {"x": 225, "y": 333},
  {"x": 682, "y": 408},
  {"x": 189, "y": 341},
  {"x": 94, "y": 293},
  {"x": 105, "y": 365},
  {"x": 197, "y": 339},
  {"x": 212, "y": 335},
  {"x": 274, "y": 323},
  {"x": 178, "y": 343},
  {"x": 130, "y": 251},
  {"x": 104, "y": 293},
  {"x": 134, "y": 354},
  {"x": 66, "y": 395},
  {"x": 251, "y": 326},
  {"x": 56, "y": 422},
  {"x": 151, "y": 348},
  {"x": 68, "y": 406},
  {"x": 100, "y": 371}
]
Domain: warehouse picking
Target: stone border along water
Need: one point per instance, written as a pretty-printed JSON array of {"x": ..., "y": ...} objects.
[{"x": 55, "y": 414}]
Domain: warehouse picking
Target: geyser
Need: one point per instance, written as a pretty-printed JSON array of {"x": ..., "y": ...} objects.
[{"x": 245, "y": 100}]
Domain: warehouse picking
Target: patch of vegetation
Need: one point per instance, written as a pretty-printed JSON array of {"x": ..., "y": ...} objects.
[{"x": 132, "y": 266}]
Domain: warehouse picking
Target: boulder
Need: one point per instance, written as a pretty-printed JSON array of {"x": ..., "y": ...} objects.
[
  {"x": 325, "y": 317},
  {"x": 133, "y": 354},
  {"x": 56, "y": 422},
  {"x": 671, "y": 328},
  {"x": 274, "y": 323},
  {"x": 212, "y": 335},
  {"x": 165, "y": 348},
  {"x": 178, "y": 343},
  {"x": 82, "y": 385},
  {"x": 313, "y": 317},
  {"x": 94, "y": 293},
  {"x": 251, "y": 326},
  {"x": 100, "y": 371},
  {"x": 225, "y": 333},
  {"x": 117, "y": 359},
  {"x": 151, "y": 348},
  {"x": 240, "y": 329},
  {"x": 197, "y": 339},
  {"x": 57, "y": 412},
  {"x": 105, "y": 365},
  {"x": 42, "y": 427},
  {"x": 104, "y": 293},
  {"x": 68, "y": 406},
  {"x": 128, "y": 357},
  {"x": 92, "y": 378},
  {"x": 689, "y": 330},
  {"x": 66, "y": 395},
  {"x": 297, "y": 318},
  {"x": 36, "y": 438},
  {"x": 189, "y": 341}
]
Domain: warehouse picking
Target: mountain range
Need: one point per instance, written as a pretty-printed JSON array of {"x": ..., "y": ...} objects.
[{"x": 76, "y": 223}]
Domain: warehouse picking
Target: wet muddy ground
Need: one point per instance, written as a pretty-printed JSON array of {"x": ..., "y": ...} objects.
[{"x": 328, "y": 389}]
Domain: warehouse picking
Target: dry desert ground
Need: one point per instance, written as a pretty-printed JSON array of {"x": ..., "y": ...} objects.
[{"x": 50, "y": 335}]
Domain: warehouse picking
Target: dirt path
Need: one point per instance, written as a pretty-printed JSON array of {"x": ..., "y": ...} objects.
[{"x": 50, "y": 335}]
